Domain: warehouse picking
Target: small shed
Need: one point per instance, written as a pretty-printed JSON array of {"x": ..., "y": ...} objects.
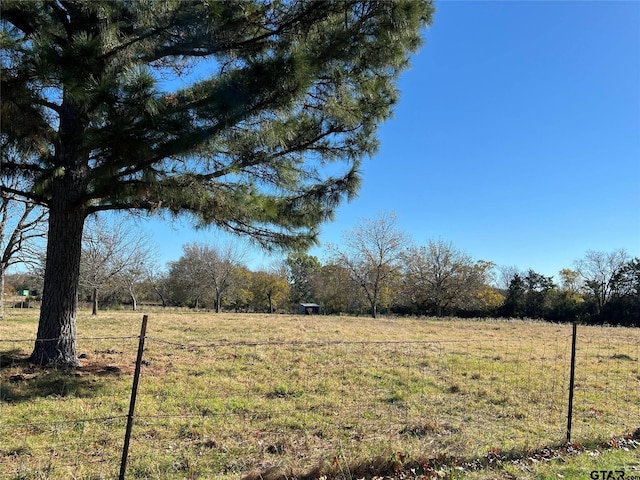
[{"x": 309, "y": 309}]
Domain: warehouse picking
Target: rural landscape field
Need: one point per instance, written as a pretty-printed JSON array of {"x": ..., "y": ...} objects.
[
  {"x": 283, "y": 396},
  {"x": 319, "y": 240}
]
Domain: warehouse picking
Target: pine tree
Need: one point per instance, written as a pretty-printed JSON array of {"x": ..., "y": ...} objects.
[{"x": 229, "y": 112}]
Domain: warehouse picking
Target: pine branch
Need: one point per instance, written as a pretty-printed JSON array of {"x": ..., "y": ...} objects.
[{"x": 24, "y": 196}]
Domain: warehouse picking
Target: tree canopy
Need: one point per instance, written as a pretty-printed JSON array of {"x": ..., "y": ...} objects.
[
  {"x": 272, "y": 91},
  {"x": 230, "y": 112}
]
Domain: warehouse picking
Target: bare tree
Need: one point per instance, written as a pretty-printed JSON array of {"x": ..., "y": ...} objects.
[
  {"x": 188, "y": 278},
  {"x": 205, "y": 268},
  {"x": 136, "y": 269},
  {"x": 112, "y": 255},
  {"x": 222, "y": 262},
  {"x": 597, "y": 271},
  {"x": 159, "y": 281},
  {"x": 371, "y": 254},
  {"x": 442, "y": 277},
  {"x": 506, "y": 273},
  {"x": 22, "y": 226}
]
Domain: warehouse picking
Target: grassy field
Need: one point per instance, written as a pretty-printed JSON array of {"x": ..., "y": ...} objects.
[{"x": 274, "y": 396}]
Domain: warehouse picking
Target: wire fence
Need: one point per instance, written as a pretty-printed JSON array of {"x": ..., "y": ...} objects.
[{"x": 206, "y": 410}]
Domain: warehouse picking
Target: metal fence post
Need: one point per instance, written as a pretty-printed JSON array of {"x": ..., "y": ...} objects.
[
  {"x": 132, "y": 402},
  {"x": 571, "y": 380}
]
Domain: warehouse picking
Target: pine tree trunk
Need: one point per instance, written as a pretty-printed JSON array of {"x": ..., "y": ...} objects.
[{"x": 56, "y": 339}]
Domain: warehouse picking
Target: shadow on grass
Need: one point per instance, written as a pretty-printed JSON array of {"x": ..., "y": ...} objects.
[
  {"x": 443, "y": 466},
  {"x": 22, "y": 381},
  {"x": 9, "y": 358}
]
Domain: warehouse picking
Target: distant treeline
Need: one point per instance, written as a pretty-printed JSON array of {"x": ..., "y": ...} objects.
[{"x": 433, "y": 280}]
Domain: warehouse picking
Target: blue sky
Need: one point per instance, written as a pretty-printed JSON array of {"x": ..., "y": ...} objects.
[{"x": 517, "y": 138}]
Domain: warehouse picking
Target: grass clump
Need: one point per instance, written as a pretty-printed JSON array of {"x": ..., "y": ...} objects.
[{"x": 285, "y": 391}]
